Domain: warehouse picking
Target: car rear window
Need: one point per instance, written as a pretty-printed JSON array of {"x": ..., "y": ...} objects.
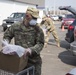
[{"x": 70, "y": 16}]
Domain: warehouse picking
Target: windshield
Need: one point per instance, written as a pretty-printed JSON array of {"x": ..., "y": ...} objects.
[{"x": 17, "y": 15}]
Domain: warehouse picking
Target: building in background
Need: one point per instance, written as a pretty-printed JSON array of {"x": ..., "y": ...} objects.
[{"x": 9, "y": 6}]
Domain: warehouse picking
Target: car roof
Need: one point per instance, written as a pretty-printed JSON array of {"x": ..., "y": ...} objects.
[{"x": 19, "y": 12}]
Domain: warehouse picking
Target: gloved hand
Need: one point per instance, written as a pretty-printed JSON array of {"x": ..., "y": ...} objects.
[
  {"x": 4, "y": 42},
  {"x": 46, "y": 31},
  {"x": 27, "y": 52}
]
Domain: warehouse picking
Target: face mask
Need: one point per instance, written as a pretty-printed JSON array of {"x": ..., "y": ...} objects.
[{"x": 33, "y": 22}]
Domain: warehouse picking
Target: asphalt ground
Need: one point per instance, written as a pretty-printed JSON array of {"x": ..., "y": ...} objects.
[{"x": 57, "y": 61}]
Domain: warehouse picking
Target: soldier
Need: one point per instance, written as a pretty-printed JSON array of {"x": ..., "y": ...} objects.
[
  {"x": 30, "y": 36},
  {"x": 50, "y": 28}
]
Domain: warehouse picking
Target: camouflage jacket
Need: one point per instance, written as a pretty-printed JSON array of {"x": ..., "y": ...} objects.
[
  {"x": 28, "y": 37},
  {"x": 48, "y": 23}
]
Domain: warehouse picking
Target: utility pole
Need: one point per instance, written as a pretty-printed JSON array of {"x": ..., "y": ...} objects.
[{"x": 54, "y": 6}]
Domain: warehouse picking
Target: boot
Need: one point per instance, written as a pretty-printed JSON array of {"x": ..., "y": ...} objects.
[
  {"x": 58, "y": 44},
  {"x": 45, "y": 45}
]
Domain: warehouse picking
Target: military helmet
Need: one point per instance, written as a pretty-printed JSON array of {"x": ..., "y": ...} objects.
[{"x": 33, "y": 11}]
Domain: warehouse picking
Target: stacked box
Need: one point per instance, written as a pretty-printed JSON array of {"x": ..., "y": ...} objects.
[{"x": 12, "y": 63}]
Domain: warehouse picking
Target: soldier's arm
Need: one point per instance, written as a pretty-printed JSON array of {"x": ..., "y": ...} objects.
[
  {"x": 39, "y": 42},
  {"x": 8, "y": 34},
  {"x": 50, "y": 26}
]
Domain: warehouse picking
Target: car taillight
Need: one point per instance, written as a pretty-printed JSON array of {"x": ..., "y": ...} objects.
[
  {"x": 71, "y": 27},
  {"x": 69, "y": 74}
]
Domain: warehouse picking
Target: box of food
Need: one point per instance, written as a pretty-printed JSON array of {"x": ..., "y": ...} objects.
[{"x": 12, "y": 63}]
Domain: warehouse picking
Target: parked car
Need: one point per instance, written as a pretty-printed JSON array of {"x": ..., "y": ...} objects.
[
  {"x": 72, "y": 72},
  {"x": 13, "y": 18},
  {"x": 61, "y": 17},
  {"x": 54, "y": 17},
  {"x": 67, "y": 20},
  {"x": 70, "y": 32}
]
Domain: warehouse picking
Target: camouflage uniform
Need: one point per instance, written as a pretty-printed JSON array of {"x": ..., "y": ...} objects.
[
  {"x": 50, "y": 29},
  {"x": 28, "y": 37}
]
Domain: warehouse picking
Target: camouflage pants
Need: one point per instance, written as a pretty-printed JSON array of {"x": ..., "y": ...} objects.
[
  {"x": 37, "y": 64},
  {"x": 54, "y": 33}
]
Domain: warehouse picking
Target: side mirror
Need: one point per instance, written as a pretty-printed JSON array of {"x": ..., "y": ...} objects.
[{"x": 7, "y": 17}]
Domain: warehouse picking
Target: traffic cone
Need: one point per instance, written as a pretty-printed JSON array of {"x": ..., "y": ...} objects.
[{"x": 63, "y": 28}]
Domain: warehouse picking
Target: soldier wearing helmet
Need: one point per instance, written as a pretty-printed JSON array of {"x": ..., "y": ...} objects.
[
  {"x": 50, "y": 28},
  {"x": 30, "y": 36}
]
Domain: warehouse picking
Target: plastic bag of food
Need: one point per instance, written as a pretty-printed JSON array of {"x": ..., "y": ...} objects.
[{"x": 10, "y": 48}]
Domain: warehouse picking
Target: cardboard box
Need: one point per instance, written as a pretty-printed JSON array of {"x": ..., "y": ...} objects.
[{"x": 12, "y": 63}]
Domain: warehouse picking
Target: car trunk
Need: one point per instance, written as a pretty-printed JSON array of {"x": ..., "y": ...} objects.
[{"x": 70, "y": 9}]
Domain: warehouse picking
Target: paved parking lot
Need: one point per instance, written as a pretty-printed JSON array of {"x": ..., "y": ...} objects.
[{"x": 56, "y": 61}]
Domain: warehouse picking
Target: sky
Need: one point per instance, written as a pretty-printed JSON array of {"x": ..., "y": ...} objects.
[{"x": 51, "y": 4}]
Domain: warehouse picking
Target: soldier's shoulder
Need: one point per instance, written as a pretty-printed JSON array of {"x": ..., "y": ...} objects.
[
  {"x": 17, "y": 24},
  {"x": 38, "y": 28},
  {"x": 47, "y": 18}
]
